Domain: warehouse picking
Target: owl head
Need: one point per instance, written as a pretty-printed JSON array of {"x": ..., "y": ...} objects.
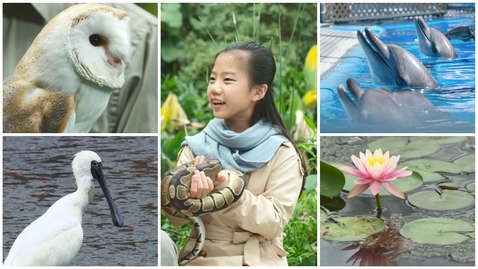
[
  {"x": 99, "y": 44},
  {"x": 85, "y": 43}
]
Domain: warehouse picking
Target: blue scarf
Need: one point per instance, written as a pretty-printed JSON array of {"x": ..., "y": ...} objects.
[{"x": 246, "y": 151}]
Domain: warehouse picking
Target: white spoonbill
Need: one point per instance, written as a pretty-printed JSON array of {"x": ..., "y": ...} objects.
[{"x": 55, "y": 238}]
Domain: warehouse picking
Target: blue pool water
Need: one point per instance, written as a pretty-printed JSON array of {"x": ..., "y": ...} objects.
[{"x": 455, "y": 97}]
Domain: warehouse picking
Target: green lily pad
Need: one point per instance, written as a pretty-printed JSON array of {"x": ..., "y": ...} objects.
[
  {"x": 472, "y": 234},
  {"x": 331, "y": 180},
  {"x": 310, "y": 183},
  {"x": 436, "y": 231},
  {"x": 405, "y": 184},
  {"x": 323, "y": 216},
  {"x": 406, "y": 148},
  {"x": 448, "y": 200},
  {"x": 467, "y": 163},
  {"x": 351, "y": 228},
  {"x": 471, "y": 186},
  {"x": 448, "y": 139},
  {"x": 335, "y": 203},
  {"x": 427, "y": 168}
]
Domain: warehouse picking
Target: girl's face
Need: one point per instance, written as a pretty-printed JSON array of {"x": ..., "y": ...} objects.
[{"x": 230, "y": 93}]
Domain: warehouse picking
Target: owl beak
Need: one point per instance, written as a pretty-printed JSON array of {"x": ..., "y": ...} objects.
[{"x": 117, "y": 66}]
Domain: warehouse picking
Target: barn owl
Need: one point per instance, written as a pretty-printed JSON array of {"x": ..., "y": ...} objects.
[{"x": 64, "y": 80}]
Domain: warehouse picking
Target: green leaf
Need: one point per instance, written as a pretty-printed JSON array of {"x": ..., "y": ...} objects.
[
  {"x": 467, "y": 163},
  {"x": 448, "y": 200},
  {"x": 323, "y": 216},
  {"x": 310, "y": 183},
  {"x": 351, "y": 228},
  {"x": 173, "y": 147},
  {"x": 170, "y": 51},
  {"x": 171, "y": 15},
  {"x": 472, "y": 234},
  {"x": 471, "y": 186},
  {"x": 427, "y": 168},
  {"x": 436, "y": 231},
  {"x": 335, "y": 203},
  {"x": 448, "y": 139},
  {"x": 331, "y": 180},
  {"x": 405, "y": 184},
  {"x": 404, "y": 147}
]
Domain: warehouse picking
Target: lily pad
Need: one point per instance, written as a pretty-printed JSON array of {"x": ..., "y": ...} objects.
[
  {"x": 335, "y": 203},
  {"x": 448, "y": 200},
  {"x": 467, "y": 163},
  {"x": 405, "y": 184},
  {"x": 436, "y": 231},
  {"x": 406, "y": 148},
  {"x": 323, "y": 216},
  {"x": 472, "y": 234},
  {"x": 427, "y": 168},
  {"x": 351, "y": 228},
  {"x": 448, "y": 139},
  {"x": 471, "y": 186},
  {"x": 331, "y": 180}
]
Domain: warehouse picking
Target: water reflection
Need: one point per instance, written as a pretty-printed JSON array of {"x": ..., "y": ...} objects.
[
  {"x": 388, "y": 247},
  {"x": 37, "y": 172},
  {"x": 381, "y": 249}
]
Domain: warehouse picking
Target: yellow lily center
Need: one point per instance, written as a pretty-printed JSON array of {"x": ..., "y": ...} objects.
[{"x": 376, "y": 159}]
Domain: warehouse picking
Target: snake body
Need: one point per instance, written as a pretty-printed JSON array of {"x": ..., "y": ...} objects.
[{"x": 176, "y": 202}]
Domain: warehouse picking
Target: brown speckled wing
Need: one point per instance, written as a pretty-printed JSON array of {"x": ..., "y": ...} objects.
[{"x": 29, "y": 109}]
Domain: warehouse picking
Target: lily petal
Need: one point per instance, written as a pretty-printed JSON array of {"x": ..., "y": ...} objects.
[
  {"x": 393, "y": 190},
  {"x": 386, "y": 180},
  {"x": 392, "y": 163},
  {"x": 375, "y": 187},
  {"x": 363, "y": 181},
  {"x": 358, "y": 189},
  {"x": 400, "y": 173},
  {"x": 354, "y": 172},
  {"x": 358, "y": 163}
]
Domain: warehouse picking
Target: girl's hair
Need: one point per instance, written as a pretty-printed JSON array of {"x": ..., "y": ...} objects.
[{"x": 261, "y": 67}]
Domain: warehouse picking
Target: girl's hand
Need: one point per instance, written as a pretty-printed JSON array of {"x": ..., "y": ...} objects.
[
  {"x": 199, "y": 159},
  {"x": 201, "y": 185}
]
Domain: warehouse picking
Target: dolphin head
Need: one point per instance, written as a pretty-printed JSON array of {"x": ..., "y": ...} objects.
[
  {"x": 464, "y": 33},
  {"x": 425, "y": 42},
  {"x": 432, "y": 42},
  {"x": 393, "y": 65},
  {"x": 375, "y": 107}
]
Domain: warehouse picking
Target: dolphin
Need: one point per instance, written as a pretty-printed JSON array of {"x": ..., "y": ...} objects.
[
  {"x": 393, "y": 65},
  {"x": 399, "y": 110},
  {"x": 432, "y": 42},
  {"x": 464, "y": 33}
]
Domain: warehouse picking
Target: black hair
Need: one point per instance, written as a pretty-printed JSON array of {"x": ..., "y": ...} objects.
[{"x": 261, "y": 67}]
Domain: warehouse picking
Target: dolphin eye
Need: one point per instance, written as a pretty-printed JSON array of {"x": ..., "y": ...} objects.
[
  {"x": 400, "y": 82},
  {"x": 94, "y": 163}
]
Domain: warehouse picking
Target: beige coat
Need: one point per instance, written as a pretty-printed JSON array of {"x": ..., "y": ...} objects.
[{"x": 249, "y": 232}]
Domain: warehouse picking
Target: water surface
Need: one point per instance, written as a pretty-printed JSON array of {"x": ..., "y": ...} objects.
[
  {"x": 37, "y": 172},
  {"x": 455, "y": 98}
]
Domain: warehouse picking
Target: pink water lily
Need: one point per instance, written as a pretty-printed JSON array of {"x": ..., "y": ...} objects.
[{"x": 374, "y": 171}]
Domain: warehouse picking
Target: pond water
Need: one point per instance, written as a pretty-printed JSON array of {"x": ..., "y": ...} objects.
[
  {"x": 37, "y": 172},
  {"x": 455, "y": 97},
  {"x": 400, "y": 251}
]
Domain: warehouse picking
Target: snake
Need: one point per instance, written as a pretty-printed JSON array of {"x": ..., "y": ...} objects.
[{"x": 175, "y": 200}]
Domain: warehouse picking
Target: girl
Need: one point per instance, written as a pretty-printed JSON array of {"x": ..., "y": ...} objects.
[{"x": 249, "y": 135}]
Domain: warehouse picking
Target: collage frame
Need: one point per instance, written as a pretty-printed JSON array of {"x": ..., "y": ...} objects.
[{"x": 129, "y": 137}]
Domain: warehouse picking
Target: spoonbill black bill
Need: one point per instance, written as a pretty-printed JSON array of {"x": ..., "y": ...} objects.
[{"x": 56, "y": 237}]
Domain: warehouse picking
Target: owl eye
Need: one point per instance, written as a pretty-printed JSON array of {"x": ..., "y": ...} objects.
[
  {"x": 95, "y": 40},
  {"x": 94, "y": 163}
]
